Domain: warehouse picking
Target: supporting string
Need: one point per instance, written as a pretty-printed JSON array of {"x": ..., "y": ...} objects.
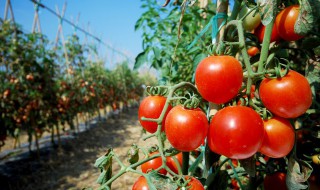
[{"x": 215, "y": 29}]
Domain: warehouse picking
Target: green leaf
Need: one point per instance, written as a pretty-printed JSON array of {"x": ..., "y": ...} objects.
[
  {"x": 133, "y": 154},
  {"x": 105, "y": 161},
  {"x": 158, "y": 181},
  {"x": 139, "y": 23},
  {"x": 267, "y": 10},
  {"x": 197, "y": 60},
  {"x": 305, "y": 21},
  {"x": 317, "y": 51},
  {"x": 157, "y": 52},
  {"x": 140, "y": 59},
  {"x": 193, "y": 49},
  {"x": 298, "y": 174},
  {"x": 313, "y": 76}
]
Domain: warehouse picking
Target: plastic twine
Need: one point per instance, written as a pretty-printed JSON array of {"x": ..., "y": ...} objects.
[{"x": 214, "y": 25}]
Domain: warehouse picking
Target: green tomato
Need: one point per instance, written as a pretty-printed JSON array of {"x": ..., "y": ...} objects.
[{"x": 251, "y": 21}]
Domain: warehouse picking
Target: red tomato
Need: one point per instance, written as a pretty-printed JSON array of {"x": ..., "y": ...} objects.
[
  {"x": 288, "y": 97},
  {"x": 252, "y": 51},
  {"x": 285, "y": 22},
  {"x": 275, "y": 181},
  {"x": 234, "y": 184},
  {"x": 236, "y": 132},
  {"x": 172, "y": 164},
  {"x": 194, "y": 184},
  {"x": 153, "y": 165},
  {"x": 279, "y": 137},
  {"x": 151, "y": 107},
  {"x": 219, "y": 78},
  {"x": 259, "y": 32},
  {"x": 186, "y": 128},
  {"x": 140, "y": 184}
]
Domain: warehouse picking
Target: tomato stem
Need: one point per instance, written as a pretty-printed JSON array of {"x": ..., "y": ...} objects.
[{"x": 265, "y": 46}]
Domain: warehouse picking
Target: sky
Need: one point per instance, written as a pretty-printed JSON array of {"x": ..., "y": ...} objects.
[{"x": 111, "y": 20}]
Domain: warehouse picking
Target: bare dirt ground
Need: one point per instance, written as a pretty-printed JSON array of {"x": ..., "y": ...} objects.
[{"x": 72, "y": 166}]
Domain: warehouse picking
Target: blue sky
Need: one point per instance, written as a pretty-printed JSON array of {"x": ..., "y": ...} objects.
[{"x": 111, "y": 20}]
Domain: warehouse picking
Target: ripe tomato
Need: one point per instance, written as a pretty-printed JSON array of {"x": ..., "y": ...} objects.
[
  {"x": 153, "y": 165},
  {"x": 279, "y": 137},
  {"x": 219, "y": 78},
  {"x": 172, "y": 164},
  {"x": 285, "y": 22},
  {"x": 252, "y": 51},
  {"x": 275, "y": 181},
  {"x": 151, "y": 107},
  {"x": 316, "y": 159},
  {"x": 288, "y": 97},
  {"x": 236, "y": 132},
  {"x": 186, "y": 129},
  {"x": 251, "y": 21},
  {"x": 194, "y": 184},
  {"x": 140, "y": 184},
  {"x": 259, "y": 32}
]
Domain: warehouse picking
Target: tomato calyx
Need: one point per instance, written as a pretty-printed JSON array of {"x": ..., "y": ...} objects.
[
  {"x": 279, "y": 70},
  {"x": 157, "y": 90},
  {"x": 191, "y": 102}
]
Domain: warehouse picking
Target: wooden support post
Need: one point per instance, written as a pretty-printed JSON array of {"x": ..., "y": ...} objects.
[
  {"x": 36, "y": 20},
  {"x": 8, "y": 8}
]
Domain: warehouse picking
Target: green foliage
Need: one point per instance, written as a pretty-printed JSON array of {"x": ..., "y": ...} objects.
[{"x": 163, "y": 48}]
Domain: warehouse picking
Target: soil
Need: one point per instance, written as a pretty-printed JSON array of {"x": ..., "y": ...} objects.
[{"x": 72, "y": 165}]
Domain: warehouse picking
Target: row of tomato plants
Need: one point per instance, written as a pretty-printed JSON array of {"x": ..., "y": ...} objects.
[
  {"x": 44, "y": 87},
  {"x": 249, "y": 113}
]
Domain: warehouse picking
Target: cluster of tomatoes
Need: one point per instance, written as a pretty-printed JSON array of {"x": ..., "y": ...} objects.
[
  {"x": 235, "y": 131},
  {"x": 283, "y": 28}
]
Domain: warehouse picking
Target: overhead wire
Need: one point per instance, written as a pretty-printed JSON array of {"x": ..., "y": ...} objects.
[{"x": 41, "y": 5}]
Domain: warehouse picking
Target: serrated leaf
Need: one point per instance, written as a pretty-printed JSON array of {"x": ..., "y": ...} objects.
[
  {"x": 313, "y": 76},
  {"x": 305, "y": 21},
  {"x": 158, "y": 181},
  {"x": 298, "y": 174},
  {"x": 140, "y": 60},
  {"x": 267, "y": 10}
]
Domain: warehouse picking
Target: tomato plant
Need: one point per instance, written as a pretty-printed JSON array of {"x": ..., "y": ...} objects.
[
  {"x": 213, "y": 71},
  {"x": 140, "y": 184},
  {"x": 236, "y": 132},
  {"x": 278, "y": 139},
  {"x": 153, "y": 165},
  {"x": 218, "y": 78},
  {"x": 285, "y": 22},
  {"x": 151, "y": 107},
  {"x": 289, "y": 96},
  {"x": 186, "y": 128}
]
